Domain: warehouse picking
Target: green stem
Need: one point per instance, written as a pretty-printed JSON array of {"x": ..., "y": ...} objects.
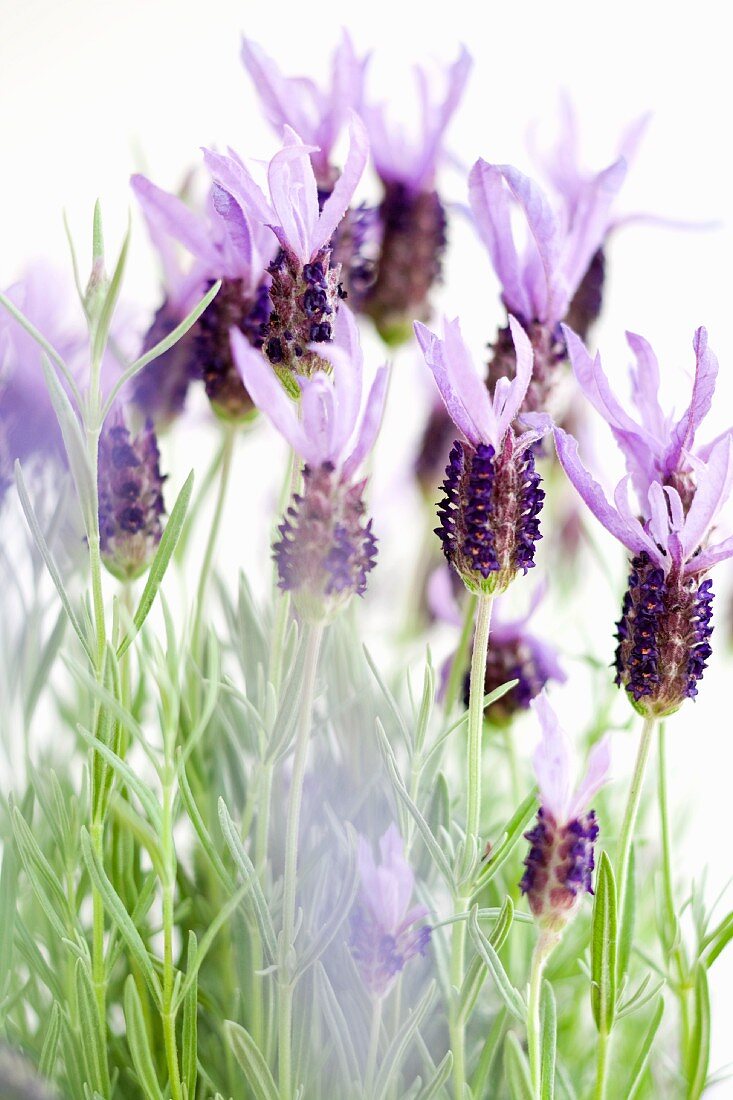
[
  {"x": 534, "y": 1033},
  {"x": 673, "y": 945},
  {"x": 312, "y": 641},
  {"x": 374, "y": 1032},
  {"x": 168, "y": 1009},
  {"x": 475, "y": 728},
  {"x": 632, "y": 811},
  {"x": 604, "y": 1047},
  {"x": 230, "y": 435},
  {"x": 459, "y": 664}
]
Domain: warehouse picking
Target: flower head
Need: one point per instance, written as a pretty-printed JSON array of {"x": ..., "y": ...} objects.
[
  {"x": 316, "y": 114},
  {"x": 489, "y": 516},
  {"x": 131, "y": 506},
  {"x": 383, "y": 936},
  {"x": 325, "y": 549},
  {"x": 225, "y": 244},
  {"x": 559, "y": 866},
  {"x": 540, "y": 276}
]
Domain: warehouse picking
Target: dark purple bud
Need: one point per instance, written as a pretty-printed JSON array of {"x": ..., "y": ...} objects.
[
  {"x": 413, "y": 225},
  {"x": 233, "y": 307},
  {"x": 585, "y": 308},
  {"x": 559, "y": 867},
  {"x": 304, "y": 302},
  {"x": 523, "y": 659},
  {"x": 663, "y": 637},
  {"x": 489, "y": 515},
  {"x": 435, "y": 445},
  {"x": 325, "y": 549},
  {"x": 130, "y": 498}
]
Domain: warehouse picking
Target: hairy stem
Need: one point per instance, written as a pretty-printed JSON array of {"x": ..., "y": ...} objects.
[{"x": 632, "y": 811}]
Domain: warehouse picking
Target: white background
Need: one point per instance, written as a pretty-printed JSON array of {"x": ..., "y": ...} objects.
[{"x": 90, "y": 91}]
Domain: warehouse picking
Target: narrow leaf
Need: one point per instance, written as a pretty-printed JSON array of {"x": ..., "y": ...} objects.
[
  {"x": 509, "y": 995},
  {"x": 398, "y": 1047},
  {"x": 603, "y": 948},
  {"x": 517, "y": 1069},
  {"x": 637, "y": 1074},
  {"x": 137, "y": 1040},
  {"x": 548, "y": 1032},
  {"x": 252, "y": 1061}
]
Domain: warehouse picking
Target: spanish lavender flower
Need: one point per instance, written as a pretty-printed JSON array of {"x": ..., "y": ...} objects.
[
  {"x": 665, "y": 626},
  {"x": 131, "y": 506},
  {"x": 305, "y": 290},
  {"x": 539, "y": 279},
  {"x": 657, "y": 446},
  {"x": 317, "y": 115},
  {"x": 383, "y": 933},
  {"x": 489, "y": 515},
  {"x": 226, "y": 244},
  {"x": 560, "y": 862},
  {"x": 411, "y": 214},
  {"x": 326, "y": 549}
]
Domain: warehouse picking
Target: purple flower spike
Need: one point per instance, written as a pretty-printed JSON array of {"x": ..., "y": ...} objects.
[
  {"x": 383, "y": 936},
  {"x": 489, "y": 514},
  {"x": 317, "y": 115},
  {"x": 411, "y": 215},
  {"x": 131, "y": 505},
  {"x": 540, "y": 276},
  {"x": 665, "y": 626},
  {"x": 225, "y": 244},
  {"x": 305, "y": 291},
  {"x": 325, "y": 549},
  {"x": 560, "y": 862}
]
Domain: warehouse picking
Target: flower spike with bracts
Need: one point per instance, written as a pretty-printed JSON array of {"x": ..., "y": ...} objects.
[
  {"x": 325, "y": 549},
  {"x": 665, "y": 628},
  {"x": 383, "y": 934},
  {"x": 560, "y": 862},
  {"x": 225, "y": 244},
  {"x": 305, "y": 291},
  {"x": 316, "y": 114},
  {"x": 540, "y": 277},
  {"x": 489, "y": 515},
  {"x": 412, "y": 217}
]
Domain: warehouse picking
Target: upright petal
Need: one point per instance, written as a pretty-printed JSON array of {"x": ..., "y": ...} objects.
[
  {"x": 295, "y": 195},
  {"x": 175, "y": 218},
  {"x": 597, "y": 774},
  {"x": 594, "y": 384},
  {"x": 548, "y": 294},
  {"x": 706, "y": 373},
  {"x": 520, "y": 383},
  {"x": 338, "y": 201},
  {"x": 268, "y": 395},
  {"x": 371, "y": 422},
  {"x": 434, "y": 352},
  {"x": 590, "y": 222},
  {"x": 714, "y": 483},
  {"x": 231, "y": 174},
  {"x": 491, "y": 210},
  {"x": 645, "y": 385},
  {"x": 278, "y": 95},
  {"x": 552, "y": 761}
]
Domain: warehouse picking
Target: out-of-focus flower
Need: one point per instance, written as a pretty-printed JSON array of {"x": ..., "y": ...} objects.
[
  {"x": 325, "y": 549},
  {"x": 305, "y": 289},
  {"x": 131, "y": 506},
  {"x": 560, "y": 862},
  {"x": 19, "y": 1080},
  {"x": 226, "y": 244},
  {"x": 665, "y": 626},
  {"x": 489, "y": 515},
  {"x": 383, "y": 933},
  {"x": 316, "y": 114},
  {"x": 28, "y": 424},
  {"x": 657, "y": 446},
  {"x": 539, "y": 277},
  {"x": 411, "y": 215}
]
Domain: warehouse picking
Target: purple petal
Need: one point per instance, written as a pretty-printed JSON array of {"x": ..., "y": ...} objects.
[
  {"x": 265, "y": 390},
  {"x": 714, "y": 483},
  {"x": 719, "y": 551},
  {"x": 596, "y": 776},
  {"x": 590, "y": 223},
  {"x": 231, "y": 174},
  {"x": 436, "y": 119},
  {"x": 547, "y": 294},
  {"x": 278, "y": 96},
  {"x": 338, "y": 201},
  {"x": 645, "y": 385},
  {"x": 371, "y": 422},
  {"x": 491, "y": 209},
  {"x": 594, "y": 384},
  {"x": 706, "y": 373},
  {"x": 434, "y": 352},
  {"x": 175, "y": 219},
  {"x": 519, "y": 384},
  {"x": 551, "y": 761},
  {"x": 295, "y": 195}
]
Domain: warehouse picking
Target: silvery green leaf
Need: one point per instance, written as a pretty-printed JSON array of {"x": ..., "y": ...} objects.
[
  {"x": 43, "y": 878},
  {"x": 159, "y": 563},
  {"x": 203, "y": 834},
  {"x": 510, "y": 836},
  {"x": 50, "y": 1047},
  {"x": 252, "y": 1061},
  {"x": 337, "y": 1025},
  {"x": 698, "y": 1054},
  {"x": 717, "y": 940},
  {"x": 8, "y": 888},
  {"x": 443, "y": 1070},
  {"x": 511, "y": 997},
  {"x": 637, "y": 1074},
  {"x": 137, "y": 1040},
  {"x": 128, "y": 776},
  {"x": 102, "y": 321},
  {"x": 640, "y": 998},
  {"x": 517, "y": 1069},
  {"x": 548, "y": 1038},
  {"x": 626, "y": 920},
  {"x": 397, "y": 1049},
  {"x": 487, "y": 1058},
  {"x": 94, "y": 1050},
  {"x": 213, "y": 930},
  {"x": 75, "y": 445},
  {"x": 189, "y": 1029},
  {"x": 246, "y": 869},
  {"x": 603, "y": 947}
]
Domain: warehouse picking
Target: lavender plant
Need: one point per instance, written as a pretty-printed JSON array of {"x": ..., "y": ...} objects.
[{"x": 200, "y": 768}]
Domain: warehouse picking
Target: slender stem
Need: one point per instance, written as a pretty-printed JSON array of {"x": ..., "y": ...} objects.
[
  {"x": 534, "y": 1035},
  {"x": 371, "y": 1063},
  {"x": 169, "y": 883},
  {"x": 604, "y": 1047},
  {"x": 459, "y": 664},
  {"x": 475, "y": 729},
  {"x": 230, "y": 435},
  {"x": 313, "y": 636},
  {"x": 632, "y": 810},
  {"x": 674, "y": 946}
]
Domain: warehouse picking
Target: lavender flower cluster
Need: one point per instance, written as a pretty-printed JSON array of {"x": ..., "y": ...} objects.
[{"x": 298, "y": 265}]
